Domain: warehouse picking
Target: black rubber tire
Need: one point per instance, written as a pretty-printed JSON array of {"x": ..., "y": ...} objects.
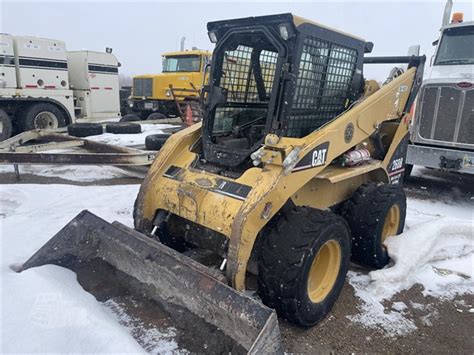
[
  {"x": 26, "y": 117},
  {"x": 290, "y": 244},
  {"x": 123, "y": 128},
  {"x": 366, "y": 212},
  {"x": 407, "y": 173},
  {"x": 84, "y": 129},
  {"x": 156, "y": 116},
  {"x": 131, "y": 117},
  {"x": 6, "y": 126},
  {"x": 156, "y": 141}
]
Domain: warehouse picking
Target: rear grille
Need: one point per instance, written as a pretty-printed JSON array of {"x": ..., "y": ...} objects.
[
  {"x": 445, "y": 116},
  {"x": 143, "y": 87}
]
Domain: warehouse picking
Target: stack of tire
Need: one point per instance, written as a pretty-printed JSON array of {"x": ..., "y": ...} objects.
[{"x": 91, "y": 129}]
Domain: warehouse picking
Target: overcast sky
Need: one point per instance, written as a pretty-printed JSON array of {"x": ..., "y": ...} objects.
[{"x": 139, "y": 32}]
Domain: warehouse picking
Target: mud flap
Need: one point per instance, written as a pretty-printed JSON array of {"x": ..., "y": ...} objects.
[{"x": 170, "y": 276}]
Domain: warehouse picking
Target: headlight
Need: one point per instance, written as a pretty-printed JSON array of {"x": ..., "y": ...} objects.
[
  {"x": 212, "y": 36},
  {"x": 130, "y": 102},
  {"x": 285, "y": 31},
  {"x": 168, "y": 93}
]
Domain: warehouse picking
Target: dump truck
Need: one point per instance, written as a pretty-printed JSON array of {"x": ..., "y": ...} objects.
[
  {"x": 183, "y": 74},
  {"x": 442, "y": 133},
  {"x": 42, "y": 85},
  {"x": 294, "y": 170}
]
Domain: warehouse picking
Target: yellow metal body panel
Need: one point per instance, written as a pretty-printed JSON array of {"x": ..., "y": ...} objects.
[
  {"x": 191, "y": 194},
  {"x": 179, "y": 80},
  {"x": 298, "y": 21}
]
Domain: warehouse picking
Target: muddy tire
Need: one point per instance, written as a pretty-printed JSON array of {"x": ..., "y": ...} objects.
[
  {"x": 6, "y": 126},
  {"x": 155, "y": 141},
  {"x": 123, "y": 128},
  {"x": 41, "y": 116},
  {"x": 156, "y": 116},
  {"x": 131, "y": 117},
  {"x": 302, "y": 264},
  {"x": 374, "y": 213},
  {"x": 84, "y": 129}
]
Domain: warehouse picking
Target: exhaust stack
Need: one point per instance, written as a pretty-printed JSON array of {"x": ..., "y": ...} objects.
[{"x": 447, "y": 12}]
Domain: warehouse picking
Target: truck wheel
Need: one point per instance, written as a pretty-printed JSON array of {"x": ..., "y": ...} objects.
[
  {"x": 5, "y": 126},
  {"x": 84, "y": 129},
  {"x": 156, "y": 141},
  {"x": 374, "y": 213},
  {"x": 41, "y": 116},
  {"x": 303, "y": 263},
  {"x": 130, "y": 118},
  {"x": 156, "y": 116},
  {"x": 123, "y": 128}
]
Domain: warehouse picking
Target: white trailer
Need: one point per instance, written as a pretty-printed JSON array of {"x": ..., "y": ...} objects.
[
  {"x": 442, "y": 132},
  {"x": 44, "y": 86}
]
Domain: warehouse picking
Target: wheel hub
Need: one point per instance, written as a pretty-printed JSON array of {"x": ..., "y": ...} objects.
[
  {"x": 45, "y": 120},
  {"x": 391, "y": 223},
  {"x": 324, "y": 270}
]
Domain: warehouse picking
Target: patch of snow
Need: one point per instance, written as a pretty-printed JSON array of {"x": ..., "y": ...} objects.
[
  {"x": 399, "y": 306},
  {"x": 44, "y": 309},
  {"x": 127, "y": 140},
  {"x": 436, "y": 251}
]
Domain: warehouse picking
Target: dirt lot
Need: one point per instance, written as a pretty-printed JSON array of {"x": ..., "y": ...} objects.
[{"x": 442, "y": 326}]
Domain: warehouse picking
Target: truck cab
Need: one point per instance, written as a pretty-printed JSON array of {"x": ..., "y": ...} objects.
[
  {"x": 442, "y": 134},
  {"x": 182, "y": 76}
]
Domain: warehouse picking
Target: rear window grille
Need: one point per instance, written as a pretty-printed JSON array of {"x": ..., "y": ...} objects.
[
  {"x": 324, "y": 78},
  {"x": 143, "y": 87}
]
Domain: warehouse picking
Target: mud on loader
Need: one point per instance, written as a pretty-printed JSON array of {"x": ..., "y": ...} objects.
[{"x": 295, "y": 169}]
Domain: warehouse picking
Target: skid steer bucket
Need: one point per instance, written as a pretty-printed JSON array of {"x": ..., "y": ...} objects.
[{"x": 166, "y": 277}]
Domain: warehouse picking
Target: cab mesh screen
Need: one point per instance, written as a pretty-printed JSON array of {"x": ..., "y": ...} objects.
[
  {"x": 244, "y": 102},
  {"x": 238, "y": 74},
  {"x": 324, "y": 78}
]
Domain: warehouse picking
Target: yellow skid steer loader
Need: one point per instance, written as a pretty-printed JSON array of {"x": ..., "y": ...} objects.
[{"x": 294, "y": 170}]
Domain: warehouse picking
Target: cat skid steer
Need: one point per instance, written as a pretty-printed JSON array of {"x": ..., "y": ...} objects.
[{"x": 295, "y": 168}]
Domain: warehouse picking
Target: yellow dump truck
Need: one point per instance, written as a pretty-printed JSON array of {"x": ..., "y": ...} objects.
[{"x": 182, "y": 76}]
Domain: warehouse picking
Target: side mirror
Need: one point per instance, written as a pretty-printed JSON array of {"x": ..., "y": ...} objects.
[{"x": 435, "y": 43}]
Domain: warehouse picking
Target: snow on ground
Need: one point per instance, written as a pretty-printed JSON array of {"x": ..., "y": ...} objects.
[
  {"x": 87, "y": 173},
  {"x": 436, "y": 250},
  {"x": 45, "y": 309}
]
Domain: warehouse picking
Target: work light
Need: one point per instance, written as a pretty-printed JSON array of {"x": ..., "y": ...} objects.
[{"x": 212, "y": 36}]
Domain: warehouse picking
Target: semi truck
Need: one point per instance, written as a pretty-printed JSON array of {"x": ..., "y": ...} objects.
[
  {"x": 42, "y": 85},
  {"x": 182, "y": 76},
  {"x": 442, "y": 133}
]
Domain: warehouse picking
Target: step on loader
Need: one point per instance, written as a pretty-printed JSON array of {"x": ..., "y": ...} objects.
[{"x": 295, "y": 169}]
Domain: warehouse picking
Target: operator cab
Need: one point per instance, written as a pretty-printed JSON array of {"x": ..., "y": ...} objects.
[{"x": 276, "y": 74}]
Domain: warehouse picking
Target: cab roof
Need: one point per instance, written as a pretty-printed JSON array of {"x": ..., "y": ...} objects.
[
  {"x": 274, "y": 19},
  {"x": 187, "y": 52}
]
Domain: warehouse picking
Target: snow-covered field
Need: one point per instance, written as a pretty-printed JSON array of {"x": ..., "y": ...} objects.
[{"x": 46, "y": 310}]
